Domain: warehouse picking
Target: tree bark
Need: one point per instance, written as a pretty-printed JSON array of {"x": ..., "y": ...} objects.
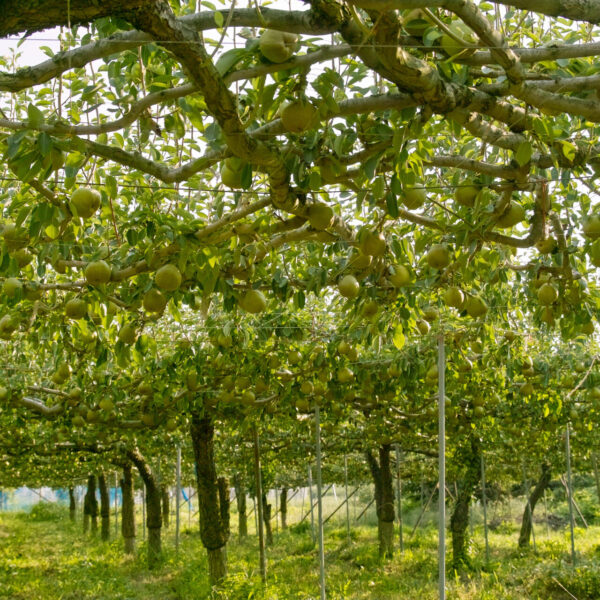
[
  {"x": 19, "y": 16},
  {"x": 104, "y": 507},
  {"x": 468, "y": 459},
  {"x": 536, "y": 494},
  {"x": 267, "y": 520},
  {"x": 166, "y": 509},
  {"x": 90, "y": 506},
  {"x": 72, "y": 504},
  {"x": 384, "y": 499},
  {"x": 240, "y": 497},
  {"x": 128, "y": 510},
  {"x": 214, "y": 528},
  {"x": 283, "y": 507},
  {"x": 153, "y": 508}
]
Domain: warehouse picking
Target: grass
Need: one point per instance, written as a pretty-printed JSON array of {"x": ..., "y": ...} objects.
[{"x": 43, "y": 556}]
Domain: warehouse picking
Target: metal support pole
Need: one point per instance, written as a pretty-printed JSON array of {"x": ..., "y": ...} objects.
[
  {"x": 189, "y": 508},
  {"x": 442, "y": 467},
  {"x": 484, "y": 504},
  {"x": 399, "y": 494},
  {"x": 177, "y": 497},
  {"x": 116, "y": 505},
  {"x": 347, "y": 503},
  {"x": 320, "y": 504},
  {"x": 312, "y": 513},
  {"x": 570, "y": 490},
  {"x": 258, "y": 479}
]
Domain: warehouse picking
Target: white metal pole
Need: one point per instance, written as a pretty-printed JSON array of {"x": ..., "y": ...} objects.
[
  {"x": 570, "y": 490},
  {"x": 484, "y": 504},
  {"x": 347, "y": 501},
  {"x": 310, "y": 497},
  {"x": 177, "y": 497},
  {"x": 320, "y": 504},
  {"x": 442, "y": 467}
]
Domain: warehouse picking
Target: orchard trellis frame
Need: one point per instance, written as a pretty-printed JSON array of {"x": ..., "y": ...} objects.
[{"x": 440, "y": 175}]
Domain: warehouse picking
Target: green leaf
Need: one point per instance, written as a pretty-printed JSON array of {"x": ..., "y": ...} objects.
[
  {"x": 398, "y": 338},
  {"x": 218, "y": 19},
  {"x": 392, "y": 204},
  {"x": 229, "y": 59},
  {"x": 35, "y": 115},
  {"x": 523, "y": 154},
  {"x": 44, "y": 143}
]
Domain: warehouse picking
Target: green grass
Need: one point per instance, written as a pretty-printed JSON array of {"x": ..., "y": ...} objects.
[{"x": 43, "y": 556}]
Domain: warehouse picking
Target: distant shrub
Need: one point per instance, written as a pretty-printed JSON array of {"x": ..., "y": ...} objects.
[{"x": 47, "y": 511}]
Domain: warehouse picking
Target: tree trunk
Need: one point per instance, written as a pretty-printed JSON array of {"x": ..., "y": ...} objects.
[
  {"x": 240, "y": 497},
  {"x": 72, "y": 504},
  {"x": 214, "y": 525},
  {"x": 283, "y": 507},
  {"x": 384, "y": 499},
  {"x": 104, "y": 507},
  {"x": 596, "y": 475},
  {"x": 90, "y": 506},
  {"x": 128, "y": 510},
  {"x": 153, "y": 508},
  {"x": 538, "y": 492},
  {"x": 165, "y": 505},
  {"x": 468, "y": 461},
  {"x": 267, "y": 520}
]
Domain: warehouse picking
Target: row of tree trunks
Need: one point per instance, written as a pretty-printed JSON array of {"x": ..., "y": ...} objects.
[
  {"x": 468, "y": 461},
  {"x": 90, "y": 507},
  {"x": 240, "y": 497},
  {"x": 128, "y": 509},
  {"x": 165, "y": 505},
  {"x": 104, "y": 507},
  {"x": 538, "y": 491},
  {"x": 72, "y": 504},
  {"x": 213, "y": 498},
  {"x": 384, "y": 499},
  {"x": 153, "y": 507},
  {"x": 283, "y": 507}
]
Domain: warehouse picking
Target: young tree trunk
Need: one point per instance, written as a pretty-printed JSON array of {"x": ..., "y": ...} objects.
[
  {"x": 384, "y": 499},
  {"x": 90, "y": 506},
  {"x": 153, "y": 508},
  {"x": 283, "y": 507},
  {"x": 212, "y": 501},
  {"x": 72, "y": 504},
  {"x": 468, "y": 463},
  {"x": 538, "y": 492},
  {"x": 128, "y": 510},
  {"x": 165, "y": 505},
  {"x": 240, "y": 497},
  {"x": 104, "y": 507},
  {"x": 267, "y": 520}
]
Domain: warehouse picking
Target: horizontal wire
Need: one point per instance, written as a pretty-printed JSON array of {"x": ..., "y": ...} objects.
[{"x": 432, "y": 187}]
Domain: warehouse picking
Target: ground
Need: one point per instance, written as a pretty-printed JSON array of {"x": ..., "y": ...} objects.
[{"x": 43, "y": 556}]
